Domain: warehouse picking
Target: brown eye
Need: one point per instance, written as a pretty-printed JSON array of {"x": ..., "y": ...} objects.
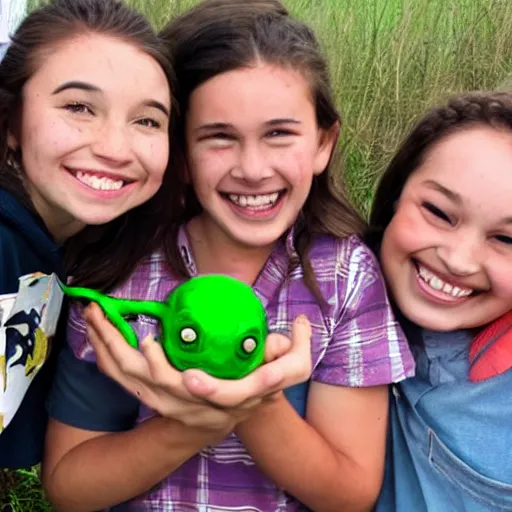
[
  {"x": 150, "y": 123},
  {"x": 78, "y": 108}
]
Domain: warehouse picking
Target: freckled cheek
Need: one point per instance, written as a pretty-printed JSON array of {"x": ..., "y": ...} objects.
[
  {"x": 51, "y": 134},
  {"x": 154, "y": 156}
]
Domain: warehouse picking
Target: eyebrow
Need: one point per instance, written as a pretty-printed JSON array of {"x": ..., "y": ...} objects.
[
  {"x": 274, "y": 122},
  {"x": 84, "y": 86},
  {"x": 228, "y": 126},
  {"x": 452, "y": 196},
  {"x": 157, "y": 105}
]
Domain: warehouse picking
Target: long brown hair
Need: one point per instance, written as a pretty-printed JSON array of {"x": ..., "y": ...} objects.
[
  {"x": 218, "y": 36},
  {"x": 102, "y": 248},
  {"x": 492, "y": 109}
]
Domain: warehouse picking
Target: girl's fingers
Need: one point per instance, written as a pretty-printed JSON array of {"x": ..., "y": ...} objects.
[
  {"x": 109, "y": 366},
  {"x": 104, "y": 336},
  {"x": 94, "y": 315},
  {"x": 296, "y": 363},
  {"x": 276, "y": 345},
  {"x": 301, "y": 333},
  {"x": 233, "y": 393},
  {"x": 163, "y": 374},
  {"x": 290, "y": 369}
]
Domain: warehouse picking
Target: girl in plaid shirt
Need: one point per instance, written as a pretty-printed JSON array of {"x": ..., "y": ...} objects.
[{"x": 260, "y": 198}]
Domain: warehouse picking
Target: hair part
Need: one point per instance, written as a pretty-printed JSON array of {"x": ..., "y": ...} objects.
[
  {"x": 218, "y": 36},
  {"x": 493, "y": 109}
]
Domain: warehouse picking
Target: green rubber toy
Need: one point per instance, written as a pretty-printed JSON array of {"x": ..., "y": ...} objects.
[{"x": 215, "y": 323}]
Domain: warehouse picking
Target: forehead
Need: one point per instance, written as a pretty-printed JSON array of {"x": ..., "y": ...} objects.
[
  {"x": 105, "y": 61},
  {"x": 475, "y": 162},
  {"x": 261, "y": 91}
]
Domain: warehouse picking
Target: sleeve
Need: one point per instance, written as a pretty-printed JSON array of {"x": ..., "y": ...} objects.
[
  {"x": 368, "y": 346},
  {"x": 84, "y": 398},
  {"x": 81, "y": 395}
]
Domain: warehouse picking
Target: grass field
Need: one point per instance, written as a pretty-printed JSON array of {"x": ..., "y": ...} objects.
[{"x": 390, "y": 60}]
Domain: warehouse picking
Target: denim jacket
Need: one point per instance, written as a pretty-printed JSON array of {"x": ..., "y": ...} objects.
[{"x": 450, "y": 445}]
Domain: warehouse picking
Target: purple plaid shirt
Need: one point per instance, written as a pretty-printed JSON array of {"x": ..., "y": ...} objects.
[{"x": 356, "y": 342}]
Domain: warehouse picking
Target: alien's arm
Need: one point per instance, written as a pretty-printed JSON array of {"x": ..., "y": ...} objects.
[
  {"x": 115, "y": 309},
  {"x": 112, "y": 308},
  {"x": 151, "y": 308}
]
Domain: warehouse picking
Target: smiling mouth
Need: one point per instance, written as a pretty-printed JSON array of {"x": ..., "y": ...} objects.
[
  {"x": 98, "y": 181},
  {"x": 255, "y": 202},
  {"x": 438, "y": 285}
]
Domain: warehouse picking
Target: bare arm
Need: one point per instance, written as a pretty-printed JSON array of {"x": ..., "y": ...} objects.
[
  {"x": 332, "y": 462},
  {"x": 84, "y": 470}
]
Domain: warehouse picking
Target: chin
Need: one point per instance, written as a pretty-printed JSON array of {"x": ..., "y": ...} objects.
[
  {"x": 433, "y": 321},
  {"x": 97, "y": 220},
  {"x": 255, "y": 239}
]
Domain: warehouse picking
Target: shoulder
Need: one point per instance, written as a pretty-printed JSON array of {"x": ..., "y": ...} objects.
[
  {"x": 367, "y": 346},
  {"x": 348, "y": 263},
  {"x": 151, "y": 280},
  {"x": 13, "y": 250},
  {"x": 8, "y": 233},
  {"x": 343, "y": 254}
]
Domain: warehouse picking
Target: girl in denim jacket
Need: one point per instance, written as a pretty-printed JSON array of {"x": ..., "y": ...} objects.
[{"x": 441, "y": 223}]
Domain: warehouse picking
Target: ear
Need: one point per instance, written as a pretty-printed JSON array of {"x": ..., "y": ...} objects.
[
  {"x": 13, "y": 132},
  {"x": 12, "y": 142},
  {"x": 327, "y": 140}
]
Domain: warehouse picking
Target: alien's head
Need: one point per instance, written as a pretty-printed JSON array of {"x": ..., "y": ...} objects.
[{"x": 218, "y": 324}]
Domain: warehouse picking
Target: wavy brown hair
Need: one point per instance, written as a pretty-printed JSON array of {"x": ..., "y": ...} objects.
[
  {"x": 98, "y": 254},
  {"x": 493, "y": 109},
  {"x": 218, "y": 36}
]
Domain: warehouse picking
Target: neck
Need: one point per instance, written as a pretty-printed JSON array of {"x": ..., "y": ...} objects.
[
  {"x": 60, "y": 225},
  {"x": 215, "y": 253}
]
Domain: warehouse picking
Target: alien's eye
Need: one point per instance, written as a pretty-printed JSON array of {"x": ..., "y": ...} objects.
[
  {"x": 188, "y": 335},
  {"x": 249, "y": 345}
]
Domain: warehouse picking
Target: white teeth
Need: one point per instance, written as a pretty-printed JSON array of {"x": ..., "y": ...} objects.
[
  {"x": 98, "y": 183},
  {"x": 254, "y": 201},
  {"x": 436, "y": 283},
  {"x": 447, "y": 288}
]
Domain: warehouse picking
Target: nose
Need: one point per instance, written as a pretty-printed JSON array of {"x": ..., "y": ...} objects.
[
  {"x": 463, "y": 256},
  {"x": 112, "y": 143},
  {"x": 251, "y": 165}
]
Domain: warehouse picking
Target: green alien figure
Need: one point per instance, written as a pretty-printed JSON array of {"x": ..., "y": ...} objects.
[{"x": 212, "y": 322}]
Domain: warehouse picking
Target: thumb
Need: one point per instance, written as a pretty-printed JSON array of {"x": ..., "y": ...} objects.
[
  {"x": 301, "y": 333},
  {"x": 276, "y": 345},
  {"x": 301, "y": 340}
]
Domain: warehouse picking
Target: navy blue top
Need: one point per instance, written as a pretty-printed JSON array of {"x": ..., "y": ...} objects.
[{"x": 25, "y": 247}]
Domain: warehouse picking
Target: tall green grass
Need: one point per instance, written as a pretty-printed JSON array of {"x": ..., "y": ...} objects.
[
  {"x": 390, "y": 61},
  {"x": 393, "y": 59}
]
